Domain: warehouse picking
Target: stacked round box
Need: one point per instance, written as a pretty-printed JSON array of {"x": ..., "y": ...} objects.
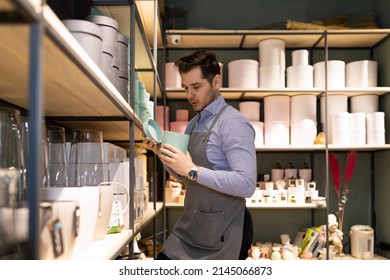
[
  {"x": 89, "y": 36},
  {"x": 123, "y": 45},
  {"x": 109, "y": 29},
  {"x": 272, "y": 60}
]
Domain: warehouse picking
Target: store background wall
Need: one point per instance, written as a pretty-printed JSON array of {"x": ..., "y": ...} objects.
[
  {"x": 246, "y": 14},
  {"x": 382, "y": 160}
]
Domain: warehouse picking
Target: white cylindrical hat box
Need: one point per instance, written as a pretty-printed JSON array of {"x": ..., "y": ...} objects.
[
  {"x": 364, "y": 103},
  {"x": 336, "y": 103},
  {"x": 277, "y": 108},
  {"x": 276, "y": 133},
  {"x": 272, "y": 52},
  {"x": 376, "y": 137},
  {"x": 375, "y": 121},
  {"x": 271, "y": 76},
  {"x": 361, "y": 73},
  {"x": 300, "y": 76},
  {"x": 303, "y": 132},
  {"x": 375, "y": 127},
  {"x": 340, "y": 128},
  {"x": 357, "y": 129},
  {"x": 303, "y": 107},
  {"x": 172, "y": 76},
  {"x": 303, "y": 119},
  {"x": 243, "y": 73},
  {"x": 300, "y": 57},
  {"x": 259, "y": 130},
  {"x": 340, "y": 121},
  {"x": 335, "y": 74},
  {"x": 250, "y": 110}
]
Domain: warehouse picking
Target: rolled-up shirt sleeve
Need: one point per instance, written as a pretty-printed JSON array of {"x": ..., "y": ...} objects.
[{"x": 232, "y": 155}]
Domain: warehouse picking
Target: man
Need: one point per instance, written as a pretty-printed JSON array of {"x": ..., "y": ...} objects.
[{"x": 219, "y": 170}]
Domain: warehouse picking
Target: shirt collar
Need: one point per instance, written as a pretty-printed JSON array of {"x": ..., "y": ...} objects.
[{"x": 213, "y": 108}]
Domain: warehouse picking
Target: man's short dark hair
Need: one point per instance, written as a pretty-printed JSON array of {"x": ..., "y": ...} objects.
[{"x": 206, "y": 60}]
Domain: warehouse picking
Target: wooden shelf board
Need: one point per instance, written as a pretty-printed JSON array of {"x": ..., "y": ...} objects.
[
  {"x": 112, "y": 130},
  {"x": 205, "y": 41},
  {"x": 75, "y": 87},
  {"x": 283, "y": 206},
  {"x": 292, "y": 39},
  {"x": 263, "y": 205},
  {"x": 111, "y": 246},
  {"x": 7, "y": 6},
  {"x": 259, "y": 93},
  {"x": 148, "y": 216},
  {"x": 348, "y": 38},
  {"x": 359, "y": 91},
  {"x": 64, "y": 83},
  {"x": 331, "y": 147},
  {"x": 355, "y": 38},
  {"x": 106, "y": 249}
]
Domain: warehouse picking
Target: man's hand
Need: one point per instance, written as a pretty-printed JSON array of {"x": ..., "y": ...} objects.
[
  {"x": 152, "y": 145},
  {"x": 175, "y": 159}
]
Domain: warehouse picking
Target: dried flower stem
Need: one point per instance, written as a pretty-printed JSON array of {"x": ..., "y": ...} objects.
[{"x": 336, "y": 174}]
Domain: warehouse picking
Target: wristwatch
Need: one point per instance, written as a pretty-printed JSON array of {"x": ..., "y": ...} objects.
[{"x": 193, "y": 173}]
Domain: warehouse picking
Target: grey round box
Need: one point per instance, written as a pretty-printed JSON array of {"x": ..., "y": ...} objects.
[
  {"x": 107, "y": 61},
  {"x": 124, "y": 84},
  {"x": 109, "y": 28},
  {"x": 89, "y": 36},
  {"x": 123, "y": 45}
]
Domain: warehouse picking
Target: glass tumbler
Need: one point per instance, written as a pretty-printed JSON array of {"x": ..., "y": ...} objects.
[
  {"x": 8, "y": 199},
  {"x": 11, "y": 149},
  {"x": 86, "y": 158},
  {"x": 57, "y": 159},
  {"x": 25, "y": 135}
]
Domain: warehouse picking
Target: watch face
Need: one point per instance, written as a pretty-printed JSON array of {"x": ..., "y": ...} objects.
[{"x": 193, "y": 174}]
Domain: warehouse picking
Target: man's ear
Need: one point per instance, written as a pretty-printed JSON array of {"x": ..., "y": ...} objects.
[{"x": 217, "y": 82}]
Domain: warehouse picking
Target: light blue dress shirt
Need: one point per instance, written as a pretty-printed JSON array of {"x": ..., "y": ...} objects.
[{"x": 230, "y": 150}]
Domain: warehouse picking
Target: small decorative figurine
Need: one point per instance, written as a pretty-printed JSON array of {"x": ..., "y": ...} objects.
[
  {"x": 255, "y": 252},
  {"x": 320, "y": 139},
  {"x": 286, "y": 249},
  {"x": 276, "y": 253},
  {"x": 335, "y": 235},
  {"x": 266, "y": 248}
]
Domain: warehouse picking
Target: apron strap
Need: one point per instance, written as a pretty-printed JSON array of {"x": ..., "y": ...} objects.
[{"x": 215, "y": 120}]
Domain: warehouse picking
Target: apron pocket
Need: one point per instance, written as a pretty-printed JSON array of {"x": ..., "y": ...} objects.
[{"x": 204, "y": 230}]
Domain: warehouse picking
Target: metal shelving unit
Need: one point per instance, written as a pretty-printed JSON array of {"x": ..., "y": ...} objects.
[
  {"x": 294, "y": 39},
  {"x": 74, "y": 93}
]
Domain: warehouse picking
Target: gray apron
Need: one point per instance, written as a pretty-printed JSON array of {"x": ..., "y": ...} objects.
[{"x": 212, "y": 223}]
